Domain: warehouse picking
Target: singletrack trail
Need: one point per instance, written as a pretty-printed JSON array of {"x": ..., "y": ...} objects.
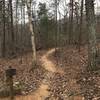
[{"x": 42, "y": 92}]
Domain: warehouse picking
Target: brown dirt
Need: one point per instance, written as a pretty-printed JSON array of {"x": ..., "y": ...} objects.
[
  {"x": 56, "y": 75},
  {"x": 42, "y": 92}
]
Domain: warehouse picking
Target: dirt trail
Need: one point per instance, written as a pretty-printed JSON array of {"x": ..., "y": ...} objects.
[
  {"x": 47, "y": 64},
  {"x": 42, "y": 92}
]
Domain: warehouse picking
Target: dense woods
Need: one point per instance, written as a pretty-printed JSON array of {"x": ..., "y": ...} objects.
[{"x": 54, "y": 47}]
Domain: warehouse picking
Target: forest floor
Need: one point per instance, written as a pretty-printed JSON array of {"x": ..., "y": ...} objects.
[{"x": 59, "y": 75}]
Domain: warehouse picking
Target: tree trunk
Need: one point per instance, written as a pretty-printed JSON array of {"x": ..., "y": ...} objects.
[
  {"x": 56, "y": 25},
  {"x": 90, "y": 14},
  {"x": 4, "y": 31},
  {"x": 71, "y": 22},
  {"x": 16, "y": 34},
  {"x": 81, "y": 23},
  {"x": 12, "y": 30},
  {"x": 28, "y": 2}
]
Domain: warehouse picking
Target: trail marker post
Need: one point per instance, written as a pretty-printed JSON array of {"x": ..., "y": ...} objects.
[{"x": 10, "y": 72}]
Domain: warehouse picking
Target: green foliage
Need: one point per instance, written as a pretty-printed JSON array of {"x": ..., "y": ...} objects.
[
  {"x": 46, "y": 24},
  {"x": 42, "y": 12}
]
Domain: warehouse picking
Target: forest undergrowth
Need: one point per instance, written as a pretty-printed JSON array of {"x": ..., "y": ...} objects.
[{"x": 72, "y": 81}]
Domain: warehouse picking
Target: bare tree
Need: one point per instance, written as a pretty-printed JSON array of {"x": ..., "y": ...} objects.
[
  {"x": 12, "y": 28},
  {"x": 28, "y": 3},
  {"x": 4, "y": 31},
  {"x": 90, "y": 14},
  {"x": 71, "y": 4},
  {"x": 16, "y": 23},
  {"x": 81, "y": 23},
  {"x": 56, "y": 27}
]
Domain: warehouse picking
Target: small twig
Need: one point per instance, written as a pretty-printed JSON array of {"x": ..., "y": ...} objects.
[{"x": 76, "y": 94}]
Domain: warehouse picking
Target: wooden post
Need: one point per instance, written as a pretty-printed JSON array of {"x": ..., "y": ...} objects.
[{"x": 9, "y": 75}]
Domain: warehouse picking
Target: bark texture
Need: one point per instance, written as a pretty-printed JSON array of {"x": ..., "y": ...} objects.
[
  {"x": 28, "y": 3},
  {"x": 90, "y": 13}
]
